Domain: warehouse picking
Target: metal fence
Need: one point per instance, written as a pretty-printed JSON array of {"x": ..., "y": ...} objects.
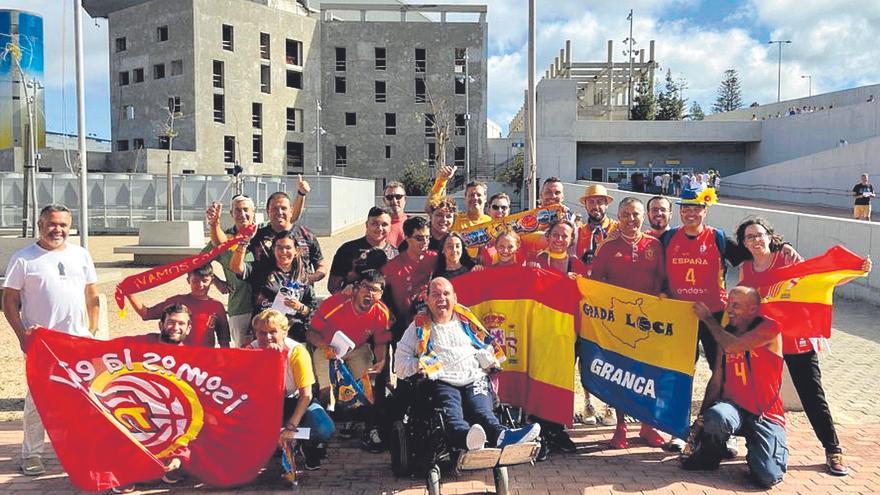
[{"x": 118, "y": 203}]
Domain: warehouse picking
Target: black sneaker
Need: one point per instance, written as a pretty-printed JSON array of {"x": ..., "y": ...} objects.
[
  {"x": 373, "y": 442},
  {"x": 544, "y": 451},
  {"x": 560, "y": 440}
]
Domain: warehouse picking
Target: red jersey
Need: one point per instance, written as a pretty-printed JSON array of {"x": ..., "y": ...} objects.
[
  {"x": 407, "y": 278},
  {"x": 753, "y": 379},
  {"x": 790, "y": 345},
  {"x": 395, "y": 235},
  {"x": 337, "y": 313},
  {"x": 208, "y": 319},
  {"x": 589, "y": 238},
  {"x": 636, "y": 266},
  {"x": 572, "y": 264},
  {"x": 695, "y": 269}
]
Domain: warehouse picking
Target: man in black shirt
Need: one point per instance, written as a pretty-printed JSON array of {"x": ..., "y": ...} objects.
[
  {"x": 371, "y": 251},
  {"x": 864, "y": 193}
]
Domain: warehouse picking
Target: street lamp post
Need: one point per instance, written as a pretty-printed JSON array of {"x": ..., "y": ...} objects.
[
  {"x": 779, "y": 68},
  {"x": 629, "y": 98},
  {"x": 467, "y": 119},
  {"x": 809, "y": 79},
  {"x": 81, "y": 126},
  {"x": 318, "y": 130}
]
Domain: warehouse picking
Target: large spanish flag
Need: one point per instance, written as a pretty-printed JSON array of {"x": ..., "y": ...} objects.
[
  {"x": 531, "y": 313},
  {"x": 799, "y": 296},
  {"x": 636, "y": 353}
]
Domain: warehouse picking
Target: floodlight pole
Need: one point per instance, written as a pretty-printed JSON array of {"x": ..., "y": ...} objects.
[
  {"x": 779, "y": 68},
  {"x": 81, "y": 126}
]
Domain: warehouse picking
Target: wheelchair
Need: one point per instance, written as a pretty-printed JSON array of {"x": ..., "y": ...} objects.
[{"x": 418, "y": 443}]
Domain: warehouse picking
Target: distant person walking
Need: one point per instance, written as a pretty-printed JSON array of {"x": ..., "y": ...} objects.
[
  {"x": 49, "y": 284},
  {"x": 864, "y": 193}
]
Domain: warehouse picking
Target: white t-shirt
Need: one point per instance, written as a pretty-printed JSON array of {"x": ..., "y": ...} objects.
[{"x": 52, "y": 285}]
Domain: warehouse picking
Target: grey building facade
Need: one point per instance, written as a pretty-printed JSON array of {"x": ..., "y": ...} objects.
[{"x": 264, "y": 84}]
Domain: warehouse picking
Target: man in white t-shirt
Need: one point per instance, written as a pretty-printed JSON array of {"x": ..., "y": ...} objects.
[{"x": 50, "y": 284}]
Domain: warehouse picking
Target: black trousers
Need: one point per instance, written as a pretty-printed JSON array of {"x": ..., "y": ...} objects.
[{"x": 807, "y": 379}]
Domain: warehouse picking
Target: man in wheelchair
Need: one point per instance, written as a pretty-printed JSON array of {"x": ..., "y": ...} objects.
[{"x": 450, "y": 348}]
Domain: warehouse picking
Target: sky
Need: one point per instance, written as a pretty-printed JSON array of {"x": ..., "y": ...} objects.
[{"x": 833, "y": 41}]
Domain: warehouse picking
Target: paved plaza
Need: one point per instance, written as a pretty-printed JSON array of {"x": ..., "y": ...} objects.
[{"x": 850, "y": 373}]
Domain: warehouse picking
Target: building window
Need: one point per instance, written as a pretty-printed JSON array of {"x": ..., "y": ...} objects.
[
  {"x": 128, "y": 112},
  {"x": 228, "y": 38},
  {"x": 340, "y": 59},
  {"x": 421, "y": 60},
  {"x": 380, "y": 91},
  {"x": 264, "y": 46},
  {"x": 340, "y": 84},
  {"x": 257, "y": 115},
  {"x": 460, "y": 54},
  {"x": 430, "y": 125},
  {"x": 138, "y": 75},
  {"x": 121, "y": 44},
  {"x": 164, "y": 143},
  {"x": 294, "y": 119},
  {"x": 420, "y": 90},
  {"x": 176, "y": 67},
  {"x": 381, "y": 63},
  {"x": 295, "y": 161},
  {"x": 459, "y": 124},
  {"x": 265, "y": 79},
  {"x": 159, "y": 71},
  {"x": 123, "y": 78},
  {"x": 431, "y": 153},
  {"x": 174, "y": 105},
  {"x": 258, "y": 148},
  {"x": 341, "y": 156},
  {"x": 229, "y": 149},
  {"x": 219, "y": 109},
  {"x": 137, "y": 143},
  {"x": 459, "y": 85},
  {"x": 218, "y": 73},
  {"x": 293, "y": 52},
  {"x": 459, "y": 156},
  {"x": 390, "y": 124},
  {"x": 162, "y": 34},
  {"x": 350, "y": 118},
  {"x": 294, "y": 79},
  {"x": 387, "y": 151},
  {"x": 122, "y": 145}
]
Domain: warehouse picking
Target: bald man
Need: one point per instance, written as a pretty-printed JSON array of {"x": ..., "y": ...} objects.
[{"x": 743, "y": 395}]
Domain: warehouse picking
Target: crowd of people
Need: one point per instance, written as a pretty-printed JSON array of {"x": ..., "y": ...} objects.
[{"x": 400, "y": 269}]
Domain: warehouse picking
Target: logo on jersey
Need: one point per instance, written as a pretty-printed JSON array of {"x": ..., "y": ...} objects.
[{"x": 158, "y": 409}]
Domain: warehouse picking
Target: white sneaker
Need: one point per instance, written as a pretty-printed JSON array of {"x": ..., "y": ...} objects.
[
  {"x": 476, "y": 438},
  {"x": 589, "y": 417},
  {"x": 608, "y": 418}
]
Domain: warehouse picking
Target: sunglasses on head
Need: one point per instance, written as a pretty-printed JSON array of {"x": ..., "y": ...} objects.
[{"x": 398, "y": 197}]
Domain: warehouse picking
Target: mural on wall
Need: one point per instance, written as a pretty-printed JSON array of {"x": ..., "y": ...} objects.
[{"x": 25, "y": 31}]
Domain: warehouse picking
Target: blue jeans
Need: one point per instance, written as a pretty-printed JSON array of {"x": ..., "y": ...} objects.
[
  {"x": 315, "y": 417},
  {"x": 765, "y": 440},
  {"x": 464, "y": 406}
]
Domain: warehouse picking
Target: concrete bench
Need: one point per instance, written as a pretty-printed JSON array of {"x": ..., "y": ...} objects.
[{"x": 164, "y": 242}]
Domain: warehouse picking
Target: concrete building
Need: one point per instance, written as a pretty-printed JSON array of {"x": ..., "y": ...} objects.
[{"x": 265, "y": 84}]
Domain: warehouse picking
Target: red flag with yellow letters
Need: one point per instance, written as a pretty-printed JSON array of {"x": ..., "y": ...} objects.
[{"x": 117, "y": 411}]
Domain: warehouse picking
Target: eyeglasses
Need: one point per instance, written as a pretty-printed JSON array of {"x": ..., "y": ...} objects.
[
  {"x": 398, "y": 197},
  {"x": 500, "y": 207},
  {"x": 372, "y": 289},
  {"x": 755, "y": 237},
  {"x": 421, "y": 238}
]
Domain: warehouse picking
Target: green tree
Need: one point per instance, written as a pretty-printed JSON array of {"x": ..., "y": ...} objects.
[
  {"x": 644, "y": 104},
  {"x": 416, "y": 179},
  {"x": 697, "y": 112},
  {"x": 512, "y": 175},
  {"x": 670, "y": 103},
  {"x": 729, "y": 96}
]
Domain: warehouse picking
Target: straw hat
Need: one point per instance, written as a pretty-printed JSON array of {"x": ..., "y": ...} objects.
[{"x": 595, "y": 190}]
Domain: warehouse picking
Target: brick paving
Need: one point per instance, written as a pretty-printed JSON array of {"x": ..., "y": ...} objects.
[{"x": 850, "y": 372}]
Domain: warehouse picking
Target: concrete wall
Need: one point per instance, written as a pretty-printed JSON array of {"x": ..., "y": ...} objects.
[
  {"x": 824, "y": 178},
  {"x": 834, "y": 99},
  {"x": 365, "y": 142},
  {"x": 791, "y": 137},
  {"x": 811, "y": 235}
]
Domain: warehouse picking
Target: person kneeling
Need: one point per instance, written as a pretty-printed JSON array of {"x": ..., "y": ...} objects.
[
  {"x": 743, "y": 395},
  {"x": 270, "y": 329},
  {"x": 454, "y": 352}
]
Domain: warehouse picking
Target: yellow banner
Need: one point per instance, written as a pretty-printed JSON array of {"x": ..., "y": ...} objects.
[{"x": 658, "y": 332}]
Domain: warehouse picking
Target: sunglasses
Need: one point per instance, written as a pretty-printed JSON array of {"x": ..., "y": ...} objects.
[
  {"x": 398, "y": 197},
  {"x": 500, "y": 207}
]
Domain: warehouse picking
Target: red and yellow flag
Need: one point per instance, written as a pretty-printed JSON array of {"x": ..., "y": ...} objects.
[
  {"x": 531, "y": 313},
  {"x": 799, "y": 296}
]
